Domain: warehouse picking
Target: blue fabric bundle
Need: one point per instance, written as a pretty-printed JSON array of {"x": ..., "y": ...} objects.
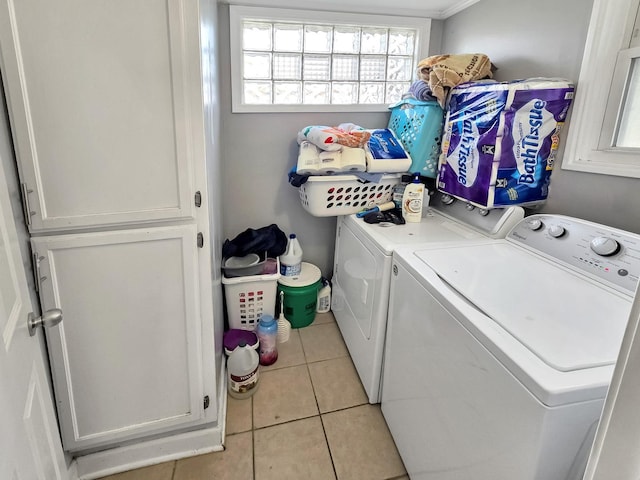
[{"x": 421, "y": 90}]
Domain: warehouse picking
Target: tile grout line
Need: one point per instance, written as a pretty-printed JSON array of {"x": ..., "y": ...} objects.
[
  {"x": 324, "y": 431},
  {"x": 175, "y": 467},
  {"x": 253, "y": 443},
  {"x": 315, "y": 397}
]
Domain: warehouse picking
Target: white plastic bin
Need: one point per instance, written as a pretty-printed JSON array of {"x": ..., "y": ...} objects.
[{"x": 250, "y": 297}]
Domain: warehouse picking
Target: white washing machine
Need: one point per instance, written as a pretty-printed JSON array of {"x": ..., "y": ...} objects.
[
  {"x": 362, "y": 270},
  {"x": 499, "y": 355}
]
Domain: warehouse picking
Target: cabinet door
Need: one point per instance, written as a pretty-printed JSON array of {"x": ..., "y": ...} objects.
[
  {"x": 126, "y": 361},
  {"x": 106, "y": 108}
]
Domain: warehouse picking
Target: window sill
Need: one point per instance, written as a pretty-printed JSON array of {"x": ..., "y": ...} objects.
[
  {"x": 617, "y": 166},
  {"x": 302, "y": 108}
]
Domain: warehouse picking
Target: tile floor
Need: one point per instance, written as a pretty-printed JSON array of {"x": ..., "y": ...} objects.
[{"x": 309, "y": 420}]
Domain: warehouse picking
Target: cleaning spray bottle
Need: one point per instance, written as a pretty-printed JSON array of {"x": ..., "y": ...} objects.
[{"x": 412, "y": 200}]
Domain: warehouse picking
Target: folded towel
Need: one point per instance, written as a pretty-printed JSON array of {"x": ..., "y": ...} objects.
[
  {"x": 421, "y": 91},
  {"x": 445, "y": 71}
]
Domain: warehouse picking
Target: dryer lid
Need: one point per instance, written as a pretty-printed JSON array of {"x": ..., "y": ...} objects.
[{"x": 566, "y": 320}]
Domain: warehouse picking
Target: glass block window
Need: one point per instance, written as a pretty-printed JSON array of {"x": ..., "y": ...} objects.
[{"x": 314, "y": 61}]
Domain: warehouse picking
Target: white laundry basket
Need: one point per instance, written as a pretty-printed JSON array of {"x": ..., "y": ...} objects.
[
  {"x": 333, "y": 195},
  {"x": 250, "y": 297}
]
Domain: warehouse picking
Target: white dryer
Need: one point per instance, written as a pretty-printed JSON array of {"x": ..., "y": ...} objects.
[
  {"x": 499, "y": 355},
  {"x": 362, "y": 270}
]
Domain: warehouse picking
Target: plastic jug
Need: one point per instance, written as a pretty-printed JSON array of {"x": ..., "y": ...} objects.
[
  {"x": 324, "y": 297},
  {"x": 291, "y": 260},
  {"x": 242, "y": 371},
  {"x": 267, "y": 332}
]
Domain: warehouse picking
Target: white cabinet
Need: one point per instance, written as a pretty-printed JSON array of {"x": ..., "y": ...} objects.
[
  {"x": 108, "y": 119},
  {"x": 126, "y": 358},
  {"x": 103, "y": 99}
]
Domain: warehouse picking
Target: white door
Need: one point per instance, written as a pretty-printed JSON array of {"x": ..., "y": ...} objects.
[
  {"x": 30, "y": 445},
  {"x": 106, "y": 109},
  {"x": 126, "y": 361}
]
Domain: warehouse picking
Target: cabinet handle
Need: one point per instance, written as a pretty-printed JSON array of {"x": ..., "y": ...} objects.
[
  {"x": 26, "y": 208},
  {"x": 36, "y": 259}
]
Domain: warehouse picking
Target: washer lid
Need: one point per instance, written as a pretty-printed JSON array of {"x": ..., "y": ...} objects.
[{"x": 566, "y": 320}]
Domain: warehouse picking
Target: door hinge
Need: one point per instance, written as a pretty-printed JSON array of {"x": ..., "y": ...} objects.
[
  {"x": 35, "y": 260},
  {"x": 198, "y": 199},
  {"x": 206, "y": 402},
  {"x": 26, "y": 208},
  {"x": 200, "y": 240}
]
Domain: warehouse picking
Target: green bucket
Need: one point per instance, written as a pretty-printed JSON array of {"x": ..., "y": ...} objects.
[{"x": 300, "y": 295}]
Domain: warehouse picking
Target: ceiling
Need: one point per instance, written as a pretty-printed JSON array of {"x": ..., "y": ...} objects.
[{"x": 437, "y": 9}]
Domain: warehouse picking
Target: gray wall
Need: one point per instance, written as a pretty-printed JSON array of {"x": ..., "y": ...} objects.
[
  {"x": 546, "y": 38},
  {"x": 257, "y": 152}
]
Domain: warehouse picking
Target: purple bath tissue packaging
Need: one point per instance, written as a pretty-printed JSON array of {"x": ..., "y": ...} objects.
[{"x": 500, "y": 140}]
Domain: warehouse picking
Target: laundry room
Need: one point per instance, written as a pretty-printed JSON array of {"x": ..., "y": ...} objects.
[{"x": 181, "y": 299}]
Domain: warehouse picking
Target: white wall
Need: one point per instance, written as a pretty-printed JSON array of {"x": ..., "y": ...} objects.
[
  {"x": 546, "y": 38},
  {"x": 257, "y": 152}
]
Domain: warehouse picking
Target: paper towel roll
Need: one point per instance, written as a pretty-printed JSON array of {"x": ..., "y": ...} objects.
[
  {"x": 308, "y": 159},
  {"x": 330, "y": 162},
  {"x": 353, "y": 160}
]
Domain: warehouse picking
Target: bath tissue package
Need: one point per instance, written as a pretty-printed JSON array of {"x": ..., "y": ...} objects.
[
  {"x": 385, "y": 153},
  {"x": 500, "y": 140}
]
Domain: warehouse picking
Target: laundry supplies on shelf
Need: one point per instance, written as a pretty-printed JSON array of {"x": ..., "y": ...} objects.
[
  {"x": 349, "y": 148},
  {"x": 385, "y": 153},
  {"x": 313, "y": 161},
  {"x": 500, "y": 140},
  {"x": 442, "y": 72},
  {"x": 330, "y": 196},
  {"x": 418, "y": 125},
  {"x": 334, "y": 138}
]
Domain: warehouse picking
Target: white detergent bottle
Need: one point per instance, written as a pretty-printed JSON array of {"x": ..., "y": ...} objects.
[
  {"x": 291, "y": 259},
  {"x": 324, "y": 297},
  {"x": 412, "y": 200},
  {"x": 242, "y": 371}
]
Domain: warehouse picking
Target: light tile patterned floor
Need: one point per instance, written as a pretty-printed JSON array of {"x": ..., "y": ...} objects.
[{"x": 309, "y": 420}]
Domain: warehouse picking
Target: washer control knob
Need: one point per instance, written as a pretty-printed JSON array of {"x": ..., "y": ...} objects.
[
  {"x": 470, "y": 207},
  {"x": 447, "y": 199},
  {"x": 557, "y": 231},
  {"x": 535, "y": 224},
  {"x": 605, "y": 246},
  {"x": 483, "y": 211}
]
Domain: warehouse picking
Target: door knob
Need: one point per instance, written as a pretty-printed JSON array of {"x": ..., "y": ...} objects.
[{"x": 50, "y": 318}]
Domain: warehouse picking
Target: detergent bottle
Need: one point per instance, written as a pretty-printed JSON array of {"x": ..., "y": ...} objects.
[
  {"x": 242, "y": 371},
  {"x": 291, "y": 259},
  {"x": 412, "y": 199}
]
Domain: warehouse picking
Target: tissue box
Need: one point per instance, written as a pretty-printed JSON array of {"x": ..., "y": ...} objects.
[
  {"x": 385, "y": 153},
  {"x": 500, "y": 140}
]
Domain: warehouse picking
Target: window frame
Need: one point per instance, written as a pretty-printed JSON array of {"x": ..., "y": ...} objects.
[
  {"x": 239, "y": 13},
  {"x": 598, "y": 96}
]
